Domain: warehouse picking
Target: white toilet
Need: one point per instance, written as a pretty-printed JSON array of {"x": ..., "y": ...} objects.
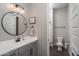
[{"x": 59, "y": 43}]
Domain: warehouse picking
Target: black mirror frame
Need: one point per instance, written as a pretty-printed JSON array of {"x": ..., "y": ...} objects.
[{"x": 6, "y": 30}]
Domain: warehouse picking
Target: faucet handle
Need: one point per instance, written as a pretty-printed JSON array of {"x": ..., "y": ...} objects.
[{"x": 18, "y": 39}]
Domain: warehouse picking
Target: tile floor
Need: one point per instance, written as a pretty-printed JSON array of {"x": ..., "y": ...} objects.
[{"x": 54, "y": 52}]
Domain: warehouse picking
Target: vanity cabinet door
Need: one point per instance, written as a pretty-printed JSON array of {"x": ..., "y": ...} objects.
[
  {"x": 12, "y": 53},
  {"x": 32, "y": 49},
  {"x": 23, "y": 51},
  {"x": 28, "y": 50}
]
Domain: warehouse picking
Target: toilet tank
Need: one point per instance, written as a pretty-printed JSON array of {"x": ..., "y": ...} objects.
[{"x": 60, "y": 39}]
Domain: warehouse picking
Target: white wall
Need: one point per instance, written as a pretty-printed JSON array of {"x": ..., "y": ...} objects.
[
  {"x": 4, "y": 9},
  {"x": 40, "y": 11},
  {"x": 61, "y": 23}
]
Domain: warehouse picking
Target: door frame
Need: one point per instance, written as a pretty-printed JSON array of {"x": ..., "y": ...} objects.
[{"x": 49, "y": 21}]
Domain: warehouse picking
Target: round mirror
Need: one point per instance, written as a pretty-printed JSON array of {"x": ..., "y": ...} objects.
[{"x": 14, "y": 23}]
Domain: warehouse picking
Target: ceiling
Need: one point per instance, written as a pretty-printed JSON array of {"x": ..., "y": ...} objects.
[{"x": 60, "y": 5}]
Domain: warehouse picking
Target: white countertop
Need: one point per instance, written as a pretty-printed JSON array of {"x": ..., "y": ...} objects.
[{"x": 10, "y": 45}]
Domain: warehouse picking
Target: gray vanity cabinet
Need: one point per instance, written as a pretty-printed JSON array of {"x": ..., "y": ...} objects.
[
  {"x": 23, "y": 51},
  {"x": 33, "y": 49},
  {"x": 28, "y": 50},
  {"x": 12, "y": 53}
]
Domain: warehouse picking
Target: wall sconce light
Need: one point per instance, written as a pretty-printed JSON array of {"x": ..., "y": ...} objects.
[{"x": 17, "y": 8}]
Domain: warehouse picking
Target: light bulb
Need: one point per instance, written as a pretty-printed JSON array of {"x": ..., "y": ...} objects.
[
  {"x": 17, "y": 9},
  {"x": 22, "y": 11},
  {"x": 11, "y": 7}
]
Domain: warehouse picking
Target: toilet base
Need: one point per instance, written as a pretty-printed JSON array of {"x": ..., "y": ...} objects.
[{"x": 59, "y": 48}]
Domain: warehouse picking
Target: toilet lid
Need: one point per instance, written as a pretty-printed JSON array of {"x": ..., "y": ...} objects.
[{"x": 59, "y": 44}]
